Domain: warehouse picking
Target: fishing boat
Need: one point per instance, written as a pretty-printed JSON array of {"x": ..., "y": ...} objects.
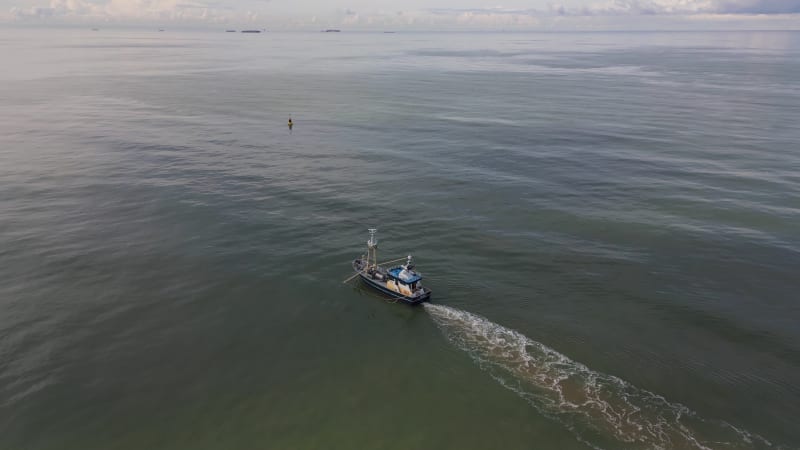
[{"x": 400, "y": 282}]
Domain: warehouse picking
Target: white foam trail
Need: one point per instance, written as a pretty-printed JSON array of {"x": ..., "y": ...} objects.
[{"x": 602, "y": 410}]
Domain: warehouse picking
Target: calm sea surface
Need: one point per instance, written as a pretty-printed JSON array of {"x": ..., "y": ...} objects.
[{"x": 610, "y": 224}]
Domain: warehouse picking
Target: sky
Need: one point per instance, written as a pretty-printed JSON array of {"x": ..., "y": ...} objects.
[{"x": 412, "y": 14}]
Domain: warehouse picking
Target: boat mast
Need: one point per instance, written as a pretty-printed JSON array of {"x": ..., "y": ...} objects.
[{"x": 372, "y": 249}]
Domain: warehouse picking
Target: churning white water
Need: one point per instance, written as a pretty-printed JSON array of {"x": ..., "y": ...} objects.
[{"x": 608, "y": 409}]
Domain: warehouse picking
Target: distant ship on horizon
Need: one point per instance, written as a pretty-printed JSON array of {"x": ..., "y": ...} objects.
[
  {"x": 332, "y": 30},
  {"x": 251, "y": 31}
]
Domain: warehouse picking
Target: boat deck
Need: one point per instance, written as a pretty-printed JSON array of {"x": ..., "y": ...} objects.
[{"x": 377, "y": 280}]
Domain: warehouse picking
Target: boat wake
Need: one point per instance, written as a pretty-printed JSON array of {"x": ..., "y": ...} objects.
[{"x": 602, "y": 410}]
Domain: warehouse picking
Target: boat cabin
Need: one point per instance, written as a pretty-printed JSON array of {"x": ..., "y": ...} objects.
[{"x": 404, "y": 280}]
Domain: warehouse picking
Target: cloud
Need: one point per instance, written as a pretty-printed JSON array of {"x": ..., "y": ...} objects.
[
  {"x": 679, "y": 7},
  {"x": 759, "y": 7},
  {"x": 446, "y": 14},
  {"x": 637, "y": 7},
  {"x": 130, "y": 10}
]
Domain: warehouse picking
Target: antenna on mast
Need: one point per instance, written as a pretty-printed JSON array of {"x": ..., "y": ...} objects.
[{"x": 372, "y": 248}]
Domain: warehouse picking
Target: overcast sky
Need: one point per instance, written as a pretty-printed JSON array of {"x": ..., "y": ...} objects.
[{"x": 413, "y": 14}]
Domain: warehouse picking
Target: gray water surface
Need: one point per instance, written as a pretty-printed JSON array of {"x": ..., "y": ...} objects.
[{"x": 609, "y": 223}]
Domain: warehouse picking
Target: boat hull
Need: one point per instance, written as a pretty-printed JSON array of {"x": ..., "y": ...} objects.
[{"x": 379, "y": 286}]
